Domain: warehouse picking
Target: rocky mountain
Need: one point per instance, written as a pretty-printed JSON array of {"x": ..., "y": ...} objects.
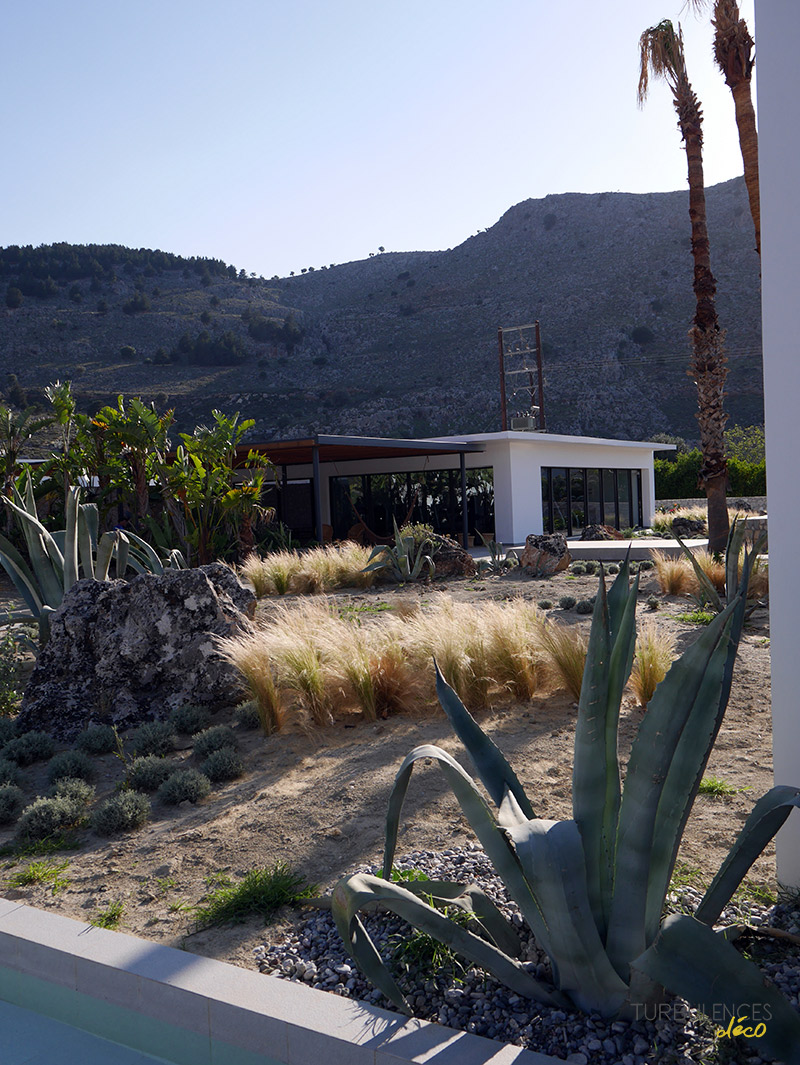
[{"x": 403, "y": 343}]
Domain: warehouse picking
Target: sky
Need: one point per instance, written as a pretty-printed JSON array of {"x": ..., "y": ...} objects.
[{"x": 280, "y": 135}]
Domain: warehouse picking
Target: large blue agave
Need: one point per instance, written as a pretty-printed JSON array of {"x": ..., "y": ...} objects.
[{"x": 592, "y": 889}]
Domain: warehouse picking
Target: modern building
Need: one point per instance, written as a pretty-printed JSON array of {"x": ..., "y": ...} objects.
[{"x": 509, "y": 484}]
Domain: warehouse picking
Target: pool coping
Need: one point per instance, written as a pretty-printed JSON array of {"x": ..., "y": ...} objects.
[{"x": 130, "y": 989}]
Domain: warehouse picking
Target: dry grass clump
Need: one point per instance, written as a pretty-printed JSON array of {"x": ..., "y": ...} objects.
[
  {"x": 308, "y": 659},
  {"x": 675, "y": 576},
  {"x": 322, "y": 569},
  {"x": 662, "y": 521},
  {"x": 565, "y": 647},
  {"x": 713, "y": 568},
  {"x": 655, "y": 650},
  {"x": 758, "y": 585}
]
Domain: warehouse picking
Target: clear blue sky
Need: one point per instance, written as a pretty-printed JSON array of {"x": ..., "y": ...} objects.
[{"x": 280, "y": 134}]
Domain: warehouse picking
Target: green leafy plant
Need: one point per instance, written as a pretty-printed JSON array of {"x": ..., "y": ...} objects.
[
  {"x": 97, "y": 739},
  {"x": 402, "y": 561},
  {"x": 717, "y": 787},
  {"x": 41, "y": 872},
  {"x": 154, "y": 737},
  {"x": 567, "y": 602},
  {"x": 189, "y": 719},
  {"x": 149, "y": 772},
  {"x": 261, "y": 893},
  {"x": 110, "y": 917},
  {"x": 214, "y": 739},
  {"x": 185, "y": 785},
  {"x": 74, "y": 764},
  {"x": 28, "y": 748},
  {"x": 11, "y": 801},
  {"x": 592, "y": 889},
  {"x": 223, "y": 765},
  {"x": 696, "y": 617}
]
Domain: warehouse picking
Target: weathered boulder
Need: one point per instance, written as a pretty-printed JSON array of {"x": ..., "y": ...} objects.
[
  {"x": 125, "y": 652},
  {"x": 686, "y": 527},
  {"x": 450, "y": 559},
  {"x": 545, "y": 555},
  {"x": 601, "y": 532}
]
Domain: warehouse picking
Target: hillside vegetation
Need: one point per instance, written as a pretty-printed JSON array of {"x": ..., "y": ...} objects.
[{"x": 401, "y": 343}]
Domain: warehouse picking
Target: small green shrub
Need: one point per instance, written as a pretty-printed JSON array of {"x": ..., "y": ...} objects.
[
  {"x": 578, "y": 568},
  {"x": 97, "y": 739},
  {"x": 567, "y": 602},
  {"x": 248, "y": 716},
  {"x": 74, "y": 790},
  {"x": 545, "y": 604},
  {"x": 150, "y": 772},
  {"x": 121, "y": 813},
  {"x": 9, "y": 772},
  {"x": 43, "y": 872},
  {"x": 189, "y": 719},
  {"x": 646, "y": 564},
  {"x": 590, "y": 566},
  {"x": 652, "y": 602},
  {"x": 11, "y": 802},
  {"x": 110, "y": 917},
  {"x": 8, "y": 729},
  {"x": 75, "y": 764},
  {"x": 28, "y": 748},
  {"x": 214, "y": 739},
  {"x": 585, "y": 606},
  {"x": 224, "y": 764},
  {"x": 47, "y": 817},
  {"x": 612, "y": 568},
  {"x": 262, "y": 892},
  {"x": 155, "y": 737},
  {"x": 187, "y": 785}
]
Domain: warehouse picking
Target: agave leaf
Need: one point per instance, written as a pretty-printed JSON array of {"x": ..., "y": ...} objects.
[
  {"x": 175, "y": 559},
  {"x": 552, "y": 857},
  {"x": 489, "y": 921},
  {"x": 355, "y": 891},
  {"x": 767, "y": 816},
  {"x": 71, "y": 539},
  {"x": 88, "y": 525},
  {"x": 17, "y": 569},
  {"x": 681, "y": 788},
  {"x": 685, "y": 702},
  {"x": 105, "y": 551},
  {"x": 733, "y": 549},
  {"x": 46, "y": 558},
  {"x": 145, "y": 553},
  {"x": 710, "y": 593},
  {"x": 122, "y": 552},
  {"x": 483, "y": 823},
  {"x": 691, "y": 960},
  {"x": 490, "y": 762},
  {"x": 595, "y": 776}
]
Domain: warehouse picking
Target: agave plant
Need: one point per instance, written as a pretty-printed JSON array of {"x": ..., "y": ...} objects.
[
  {"x": 59, "y": 559},
  {"x": 403, "y": 560},
  {"x": 708, "y": 594},
  {"x": 499, "y": 560},
  {"x": 593, "y": 888}
]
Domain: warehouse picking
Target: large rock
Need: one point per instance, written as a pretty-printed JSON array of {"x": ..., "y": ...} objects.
[
  {"x": 545, "y": 555},
  {"x": 687, "y": 527},
  {"x": 125, "y": 652},
  {"x": 601, "y": 532},
  {"x": 451, "y": 559}
]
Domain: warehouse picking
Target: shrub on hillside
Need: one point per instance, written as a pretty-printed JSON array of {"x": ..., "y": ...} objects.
[{"x": 121, "y": 813}]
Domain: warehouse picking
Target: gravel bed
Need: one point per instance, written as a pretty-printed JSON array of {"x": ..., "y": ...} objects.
[{"x": 470, "y": 1000}]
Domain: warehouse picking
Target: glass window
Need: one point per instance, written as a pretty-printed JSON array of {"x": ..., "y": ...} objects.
[
  {"x": 610, "y": 499},
  {"x": 560, "y": 502},
  {"x": 594, "y": 497},
  {"x": 577, "y": 500},
  {"x": 636, "y": 496},
  {"x": 624, "y": 497},
  {"x": 547, "y": 509}
]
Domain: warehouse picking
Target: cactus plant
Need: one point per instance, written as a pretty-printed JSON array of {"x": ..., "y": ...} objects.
[{"x": 592, "y": 889}]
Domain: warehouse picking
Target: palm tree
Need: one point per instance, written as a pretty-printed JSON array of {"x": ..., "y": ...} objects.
[
  {"x": 733, "y": 52},
  {"x": 661, "y": 49}
]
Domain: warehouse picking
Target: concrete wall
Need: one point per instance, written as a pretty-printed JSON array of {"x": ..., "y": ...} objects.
[{"x": 778, "y": 75}]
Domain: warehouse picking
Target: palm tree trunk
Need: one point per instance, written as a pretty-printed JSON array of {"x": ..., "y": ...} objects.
[
  {"x": 733, "y": 52},
  {"x": 709, "y": 365}
]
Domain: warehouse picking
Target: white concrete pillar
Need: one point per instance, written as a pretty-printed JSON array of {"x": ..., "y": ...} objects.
[{"x": 778, "y": 75}]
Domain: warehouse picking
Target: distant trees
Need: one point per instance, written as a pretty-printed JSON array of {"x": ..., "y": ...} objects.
[
  {"x": 227, "y": 349},
  {"x": 273, "y": 331},
  {"x": 13, "y": 298},
  {"x": 137, "y": 304}
]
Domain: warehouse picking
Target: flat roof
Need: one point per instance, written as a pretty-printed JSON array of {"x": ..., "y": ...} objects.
[{"x": 341, "y": 448}]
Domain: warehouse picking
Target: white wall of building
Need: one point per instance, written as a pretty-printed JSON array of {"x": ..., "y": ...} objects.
[{"x": 778, "y": 76}]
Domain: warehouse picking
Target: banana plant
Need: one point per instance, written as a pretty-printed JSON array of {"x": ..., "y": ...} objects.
[
  {"x": 592, "y": 889},
  {"x": 402, "y": 561}
]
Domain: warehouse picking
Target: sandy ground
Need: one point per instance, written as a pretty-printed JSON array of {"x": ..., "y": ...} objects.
[{"x": 318, "y": 801}]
